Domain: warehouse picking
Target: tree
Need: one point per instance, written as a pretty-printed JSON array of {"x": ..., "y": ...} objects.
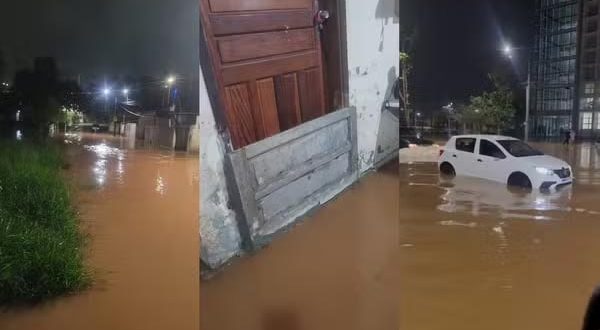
[
  {"x": 492, "y": 111},
  {"x": 39, "y": 89},
  {"x": 405, "y": 70}
]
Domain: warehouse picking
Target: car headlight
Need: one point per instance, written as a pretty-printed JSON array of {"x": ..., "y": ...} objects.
[{"x": 544, "y": 171}]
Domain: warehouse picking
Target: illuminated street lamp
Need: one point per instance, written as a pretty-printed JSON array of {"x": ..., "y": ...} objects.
[
  {"x": 450, "y": 109},
  {"x": 126, "y": 94},
  {"x": 170, "y": 81},
  {"x": 508, "y": 51}
]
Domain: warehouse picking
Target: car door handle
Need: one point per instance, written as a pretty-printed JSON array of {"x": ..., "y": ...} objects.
[
  {"x": 479, "y": 160},
  {"x": 454, "y": 156}
]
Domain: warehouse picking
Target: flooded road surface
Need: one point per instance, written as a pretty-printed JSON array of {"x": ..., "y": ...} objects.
[
  {"x": 475, "y": 255},
  {"x": 140, "y": 209},
  {"x": 334, "y": 271}
]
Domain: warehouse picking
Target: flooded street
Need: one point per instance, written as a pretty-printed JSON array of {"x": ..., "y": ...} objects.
[
  {"x": 476, "y": 255},
  {"x": 140, "y": 210},
  {"x": 334, "y": 271}
]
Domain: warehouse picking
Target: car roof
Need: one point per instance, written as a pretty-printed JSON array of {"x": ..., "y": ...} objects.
[{"x": 484, "y": 136}]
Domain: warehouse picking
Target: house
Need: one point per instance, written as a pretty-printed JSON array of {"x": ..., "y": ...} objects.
[{"x": 292, "y": 112}]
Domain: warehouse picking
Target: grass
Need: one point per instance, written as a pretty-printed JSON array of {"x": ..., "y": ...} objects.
[{"x": 41, "y": 247}]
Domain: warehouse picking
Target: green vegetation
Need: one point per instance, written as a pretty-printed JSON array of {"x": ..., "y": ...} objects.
[
  {"x": 492, "y": 111},
  {"x": 41, "y": 247}
]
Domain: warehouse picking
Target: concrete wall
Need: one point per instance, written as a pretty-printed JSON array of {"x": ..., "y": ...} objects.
[
  {"x": 193, "y": 144},
  {"x": 166, "y": 133},
  {"x": 373, "y": 62},
  {"x": 219, "y": 236}
]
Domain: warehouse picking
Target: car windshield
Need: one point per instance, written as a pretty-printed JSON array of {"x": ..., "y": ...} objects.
[{"x": 519, "y": 148}]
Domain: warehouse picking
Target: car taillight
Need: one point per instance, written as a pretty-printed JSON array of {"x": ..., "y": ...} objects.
[{"x": 441, "y": 152}]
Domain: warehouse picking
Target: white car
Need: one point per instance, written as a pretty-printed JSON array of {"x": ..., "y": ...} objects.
[{"x": 503, "y": 159}]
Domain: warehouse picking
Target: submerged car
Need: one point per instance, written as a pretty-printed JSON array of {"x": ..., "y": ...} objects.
[
  {"x": 503, "y": 159},
  {"x": 414, "y": 141}
]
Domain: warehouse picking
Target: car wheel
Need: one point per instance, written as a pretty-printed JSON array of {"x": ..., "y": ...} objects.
[
  {"x": 520, "y": 180},
  {"x": 447, "y": 169}
]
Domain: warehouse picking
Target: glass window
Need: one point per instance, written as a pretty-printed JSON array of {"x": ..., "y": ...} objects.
[
  {"x": 589, "y": 58},
  {"x": 590, "y": 42},
  {"x": 592, "y": 10},
  {"x": 487, "y": 148},
  {"x": 589, "y": 88},
  {"x": 519, "y": 148},
  {"x": 586, "y": 119},
  {"x": 589, "y": 74},
  {"x": 587, "y": 103},
  {"x": 466, "y": 144}
]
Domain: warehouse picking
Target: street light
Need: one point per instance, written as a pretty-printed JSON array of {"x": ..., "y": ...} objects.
[
  {"x": 170, "y": 82},
  {"x": 450, "y": 109},
  {"x": 508, "y": 52},
  {"x": 106, "y": 92},
  {"x": 126, "y": 93}
]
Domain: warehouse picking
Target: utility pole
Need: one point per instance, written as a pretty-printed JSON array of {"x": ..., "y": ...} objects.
[{"x": 527, "y": 100}]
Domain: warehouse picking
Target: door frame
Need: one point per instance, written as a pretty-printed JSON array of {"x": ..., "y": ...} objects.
[{"x": 335, "y": 66}]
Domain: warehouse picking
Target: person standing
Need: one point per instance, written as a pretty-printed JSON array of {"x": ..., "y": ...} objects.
[{"x": 567, "y": 137}]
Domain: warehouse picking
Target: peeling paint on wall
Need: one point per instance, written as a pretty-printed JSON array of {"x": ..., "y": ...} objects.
[
  {"x": 369, "y": 26},
  {"x": 219, "y": 235}
]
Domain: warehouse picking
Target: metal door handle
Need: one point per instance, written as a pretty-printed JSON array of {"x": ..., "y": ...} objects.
[{"x": 321, "y": 17}]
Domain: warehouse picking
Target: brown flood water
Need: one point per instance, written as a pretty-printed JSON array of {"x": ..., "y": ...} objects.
[
  {"x": 140, "y": 209},
  {"x": 475, "y": 255},
  {"x": 334, "y": 271}
]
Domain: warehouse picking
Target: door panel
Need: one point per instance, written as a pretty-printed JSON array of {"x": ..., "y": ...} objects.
[
  {"x": 257, "y": 45},
  {"x": 267, "y": 122},
  {"x": 239, "y": 114},
  {"x": 311, "y": 97},
  {"x": 267, "y": 60},
  {"x": 288, "y": 101},
  {"x": 241, "y": 5},
  {"x": 224, "y": 24},
  {"x": 245, "y": 71}
]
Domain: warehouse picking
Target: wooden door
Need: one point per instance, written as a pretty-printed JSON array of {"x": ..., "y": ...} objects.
[{"x": 267, "y": 60}]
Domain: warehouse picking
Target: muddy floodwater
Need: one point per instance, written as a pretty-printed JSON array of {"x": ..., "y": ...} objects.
[
  {"x": 140, "y": 210},
  {"x": 334, "y": 271},
  {"x": 476, "y": 255}
]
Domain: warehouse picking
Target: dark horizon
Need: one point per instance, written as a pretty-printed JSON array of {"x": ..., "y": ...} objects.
[
  {"x": 459, "y": 42},
  {"x": 95, "y": 39}
]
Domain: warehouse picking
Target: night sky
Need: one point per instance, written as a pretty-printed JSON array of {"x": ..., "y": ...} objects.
[
  {"x": 458, "y": 44},
  {"x": 102, "y": 37}
]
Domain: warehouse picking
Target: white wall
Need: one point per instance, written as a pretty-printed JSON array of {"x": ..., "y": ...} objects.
[
  {"x": 373, "y": 62},
  {"x": 219, "y": 235}
]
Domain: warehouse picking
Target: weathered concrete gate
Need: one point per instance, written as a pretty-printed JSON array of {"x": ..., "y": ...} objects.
[{"x": 280, "y": 179}]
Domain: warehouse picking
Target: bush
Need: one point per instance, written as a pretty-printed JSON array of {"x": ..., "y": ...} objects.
[{"x": 41, "y": 247}]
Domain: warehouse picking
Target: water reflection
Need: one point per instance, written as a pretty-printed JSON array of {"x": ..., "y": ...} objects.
[
  {"x": 479, "y": 248},
  {"x": 478, "y": 197},
  {"x": 143, "y": 245},
  {"x": 160, "y": 185},
  {"x": 103, "y": 153}
]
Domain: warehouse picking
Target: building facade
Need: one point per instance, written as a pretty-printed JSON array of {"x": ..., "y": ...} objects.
[
  {"x": 554, "y": 63},
  {"x": 566, "y": 69}
]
